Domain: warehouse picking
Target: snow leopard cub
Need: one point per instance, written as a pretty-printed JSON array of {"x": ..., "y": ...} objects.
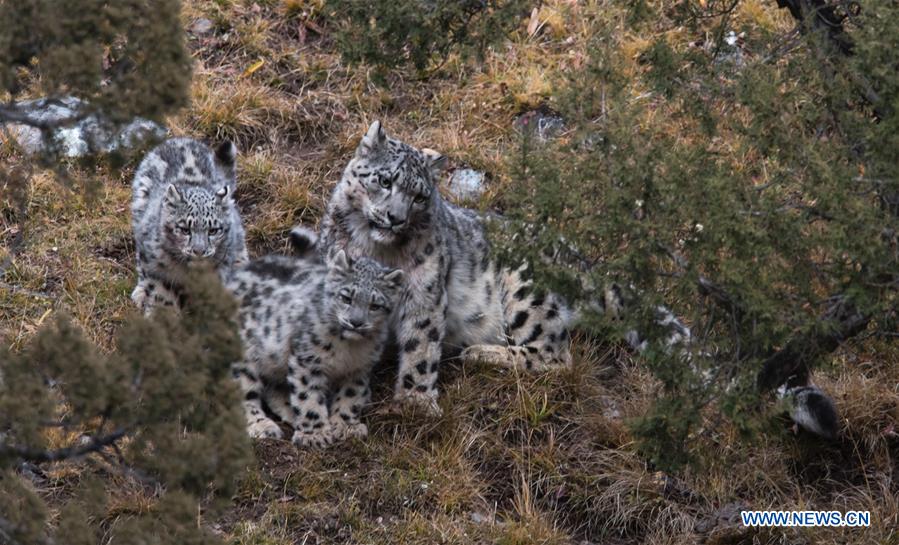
[
  {"x": 183, "y": 211},
  {"x": 387, "y": 206},
  {"x": 314, "y": 330}
]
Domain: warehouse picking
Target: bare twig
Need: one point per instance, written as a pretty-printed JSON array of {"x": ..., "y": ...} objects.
[{"x": 39, "y": 456}]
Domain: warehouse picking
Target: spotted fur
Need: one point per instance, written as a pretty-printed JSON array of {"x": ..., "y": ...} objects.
[
  {"x": 317, "y": 330},
  {"x": 183, "y": 211},
  {"x": 387, "y": 206}
]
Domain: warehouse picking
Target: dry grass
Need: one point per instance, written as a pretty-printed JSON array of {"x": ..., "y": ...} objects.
[{"x": 516, "y": 459}]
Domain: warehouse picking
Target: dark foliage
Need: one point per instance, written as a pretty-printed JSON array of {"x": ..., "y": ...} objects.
[
  {"x": 748, "y": 190},
  {"x": 421, "y": 33},
  {"x": 162, "y": 408}
]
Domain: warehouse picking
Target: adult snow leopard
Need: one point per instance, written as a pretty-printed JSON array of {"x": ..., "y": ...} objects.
[
  {"x": 387, "y": 206},
  {"x": 183, "y": 211},
  {"x": 318, "y": 330}
]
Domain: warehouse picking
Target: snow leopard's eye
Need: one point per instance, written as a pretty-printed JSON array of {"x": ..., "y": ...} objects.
[
  {"x": 182, "y": 229},
  {"x": 345, "y": 297},
  {"x": 420, "y": 198},
  {"x": 376, "y": 307},
  {"x": 385, "y": 182},
  {"x": 213, "y": 231}
]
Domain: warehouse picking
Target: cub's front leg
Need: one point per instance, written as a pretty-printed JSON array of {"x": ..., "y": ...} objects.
[
  {"x": 351, "y": 396},
  {"x": 150, "y": 294},
  {"x": 308, "y": 401},
  {"x": 259, "y": 425},
  {"x": 420, "y": 331}
]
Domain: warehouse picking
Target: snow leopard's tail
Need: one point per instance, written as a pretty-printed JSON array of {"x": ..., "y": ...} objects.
[
  {"x": 811, "y": 409},
  {"x": 609, "y": 300}
]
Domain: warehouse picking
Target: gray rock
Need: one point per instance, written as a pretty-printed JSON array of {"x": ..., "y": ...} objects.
[
  {"x": 731, "y": 51},
  {"x": 466, "y": 183},
  {"x": 543, "y": 124},
  {"x": 92, "y": 134},
  {"x": 200, "y": 26},
  {"x": 724, "y": 517}
]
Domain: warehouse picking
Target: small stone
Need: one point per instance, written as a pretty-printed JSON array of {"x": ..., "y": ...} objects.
[
  {"x": 543, "y": 124},
  {"x": 478, "y": 518},
  {"x": 466, "y": 183},
  {"x": 200, "y": 26}
]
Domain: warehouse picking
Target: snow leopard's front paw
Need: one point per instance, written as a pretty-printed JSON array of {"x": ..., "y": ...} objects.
[
  {"x": 264, "y": 428},
  {"x": 423, "y": 401},
  {"x": 140, "y": 297},
  {"x": 487, "y": 353},
  {"x": 350, "y": 430},
  {"x": 319, "y": 438}
]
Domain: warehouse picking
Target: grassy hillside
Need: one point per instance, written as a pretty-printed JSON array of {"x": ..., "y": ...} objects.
[{"x": 516, "y": 458}]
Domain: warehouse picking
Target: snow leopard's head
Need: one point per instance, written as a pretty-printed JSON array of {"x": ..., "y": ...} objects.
[
  {"x": 389, "y": 191},
  {"x": 361, "y": 294},
  {"x": 198, "y": 200},
  {"x": 195, "y": 221}
]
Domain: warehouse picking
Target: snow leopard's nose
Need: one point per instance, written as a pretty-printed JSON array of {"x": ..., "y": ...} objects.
[
  {"x": 357, "y": 323},
  {"x": 394, "y": 220}
]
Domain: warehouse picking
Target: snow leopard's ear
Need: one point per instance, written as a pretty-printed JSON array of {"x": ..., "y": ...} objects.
[
  {"x": 340, "y": 262},
  {"x": 172, "y": 196},
  {"x": 222, "y": 194},
  {"x": 437, "y": 162},
  {"x": 395, "y": 278},
  {"x": 373, "y": 141},
  {"x": 226, "y": 153}
]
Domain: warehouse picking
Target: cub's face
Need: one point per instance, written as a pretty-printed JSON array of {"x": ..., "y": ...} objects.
[
  {"x": 194, "y": 221},
  {"x": 362, "y": 293},
  {"x": 390, "y": 187},
  {"x": 197, "y": 202}
]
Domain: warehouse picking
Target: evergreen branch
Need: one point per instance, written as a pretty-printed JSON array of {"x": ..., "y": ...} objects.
[
  {"x": 39, "y": 456},
  {"x": 841, "y": 322},
  {"x": 818, "y": 15},
  {"x": 720, "y": 296},
  {"x": 8, "y": 529},
  {"x": 707, "y": 286}
]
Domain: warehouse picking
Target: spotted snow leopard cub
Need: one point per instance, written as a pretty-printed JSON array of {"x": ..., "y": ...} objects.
[
  {"x": 315, "y": 331},
  {"x": 387, "y": 206},
  {"x": 183, "y": 211}
]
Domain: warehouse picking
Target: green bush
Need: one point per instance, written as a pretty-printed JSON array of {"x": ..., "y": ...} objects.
[
  {"x": 127, "y": 58},
  {"x": 161, "y": 408},
  {"x": 421, "y": 33},
  {"x": 748, "y": 191},
  {"x": 161, "y": 411}
]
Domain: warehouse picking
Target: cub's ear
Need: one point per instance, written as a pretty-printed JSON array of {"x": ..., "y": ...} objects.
[
  {"x": 437, "y": 162},
  {"x": 395, "y": 278},
  {"x": 226, "y": 153},
  {"x": 223, "y": 193},
  {"x": 172, "y": 196},
  {"x": 373, "y": 141},
  {"x": 340, "y": 262}
]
